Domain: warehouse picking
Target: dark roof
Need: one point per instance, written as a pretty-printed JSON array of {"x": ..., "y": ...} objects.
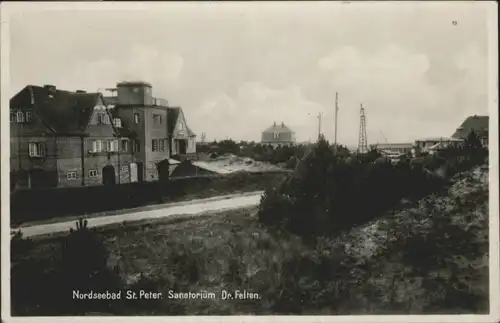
[
  {"x": 63, "y": 112},
  {"x": 110, "y": 100},
  {"x": 479, "y": 124},
  {"x": 172, "y": 115},
  {"x": 190, "y": 132},
  {"x": 132, "y": 83},
  {"x": 122, "y": 131},
  {"x": 125, "y": 132},
  {"x": 278, "y": 128}
]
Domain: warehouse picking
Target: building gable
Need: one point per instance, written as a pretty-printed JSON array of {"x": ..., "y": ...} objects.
[
  {"x": 100, "y": 123},
  {"x": 25, "y": 119},
  {"x": 63, "y": 112},
  {"x": 180, "y": 129}
]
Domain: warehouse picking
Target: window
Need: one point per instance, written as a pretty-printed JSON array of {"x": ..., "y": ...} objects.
[
  {"x": 136, "y": 118},
  {"x": 12, "y": 117},
  {"x": 29, "y": 116},
  {"x": 124, "y": 145},
  {"x": 137, "y": 146},
  {"x": 20, "y": 116},
  {"x": 71, "y": 176},
  {"x": 37, "y": 149},
  {"x": 156, "y": 119},
  {"x": 124, "y": 168},
  {"x": 112, "y": 145},
  {"x": 103, "y": 117},
  {"x": 93, "y": 173},
  {"x": 158, "y": 145},
  {"x": 117, "y": 122},
  {"x": 181, "y": 126},
  {"x": 96, "y": 146},
  {"x": 276, "y": 135}
]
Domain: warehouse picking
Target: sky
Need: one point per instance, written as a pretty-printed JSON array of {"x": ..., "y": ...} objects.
[{"x": 419, "y": 69}]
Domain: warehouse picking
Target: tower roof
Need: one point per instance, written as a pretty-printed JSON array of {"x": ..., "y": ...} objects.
[
  {"x": 278, "y": 128},
  {"x": 134, "y": 83}
]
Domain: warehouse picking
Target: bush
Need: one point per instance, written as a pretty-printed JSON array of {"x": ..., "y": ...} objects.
[
  {"x": 46, "y": 286},
  {"x": 327, "y": 193},
  {"x": 83, "y": 267}
]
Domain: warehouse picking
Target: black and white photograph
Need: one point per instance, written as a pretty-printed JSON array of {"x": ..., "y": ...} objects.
[{"x": 254, "y": 160}]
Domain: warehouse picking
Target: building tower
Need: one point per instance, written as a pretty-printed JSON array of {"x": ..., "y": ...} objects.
[
  {"x": 363, "y": 142},
  {"x": 140, "y": 113}
]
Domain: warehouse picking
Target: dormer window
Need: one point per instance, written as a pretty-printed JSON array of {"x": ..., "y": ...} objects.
[
  {"x": 20, "y": 117},
  {"x": 103, "y": 118},
  {"x": 117, "y": 122},
  {"x": 29, "y": 116}
]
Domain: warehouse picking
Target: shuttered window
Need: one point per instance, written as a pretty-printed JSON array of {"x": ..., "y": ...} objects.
[
  {"x": 20, "y": 116},
  {"x": 112, "y": 145},
  {"x": 37, "y": 149},
  {"x": 96, "y": 146},
  {"x": 124, "y": 145}
]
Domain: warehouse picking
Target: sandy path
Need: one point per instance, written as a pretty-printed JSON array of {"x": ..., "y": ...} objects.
[{"x": 195, "y": 207}]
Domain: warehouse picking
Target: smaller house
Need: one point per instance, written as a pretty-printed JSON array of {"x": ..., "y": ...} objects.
[
  {"x": 430, "y": 145},
  {"x": 478, "y": 124},
  {"x": 394, "y": 148},
  {"x": 182, "y": 138},
  {"x": 278, "y": 135}
]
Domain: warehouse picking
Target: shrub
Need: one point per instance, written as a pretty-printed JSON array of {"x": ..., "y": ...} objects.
[
  {"x": 327, "y": 193},
  {"x": 83, "y": 267}
]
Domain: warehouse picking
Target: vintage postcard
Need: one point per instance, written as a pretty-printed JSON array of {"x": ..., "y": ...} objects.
[{"x": 250, "y": 161}]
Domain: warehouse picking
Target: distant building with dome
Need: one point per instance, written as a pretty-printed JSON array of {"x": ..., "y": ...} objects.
[{"x": 278, "y": 135}]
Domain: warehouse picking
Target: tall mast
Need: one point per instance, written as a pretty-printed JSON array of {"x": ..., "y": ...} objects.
[
  {"x": 319, "y": 126},
  {"x": 336, "y": 115},
  {"x": 363, "y": 142}
]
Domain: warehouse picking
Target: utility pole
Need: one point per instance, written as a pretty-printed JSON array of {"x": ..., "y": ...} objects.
[
  {"x": 319, "y": 126},
  {"x": 336, "y": 115}
]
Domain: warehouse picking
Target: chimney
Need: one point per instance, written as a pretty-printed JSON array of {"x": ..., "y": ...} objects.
[
  {"x": 49, "y": 87},
  {"x": 275, "y": 123},
  {"x": 282, "y": 124}
]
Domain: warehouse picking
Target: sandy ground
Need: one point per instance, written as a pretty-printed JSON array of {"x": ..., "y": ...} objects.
[
  {"x": 194, "y": 207},
  {"x": 230, "y": 164}
]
